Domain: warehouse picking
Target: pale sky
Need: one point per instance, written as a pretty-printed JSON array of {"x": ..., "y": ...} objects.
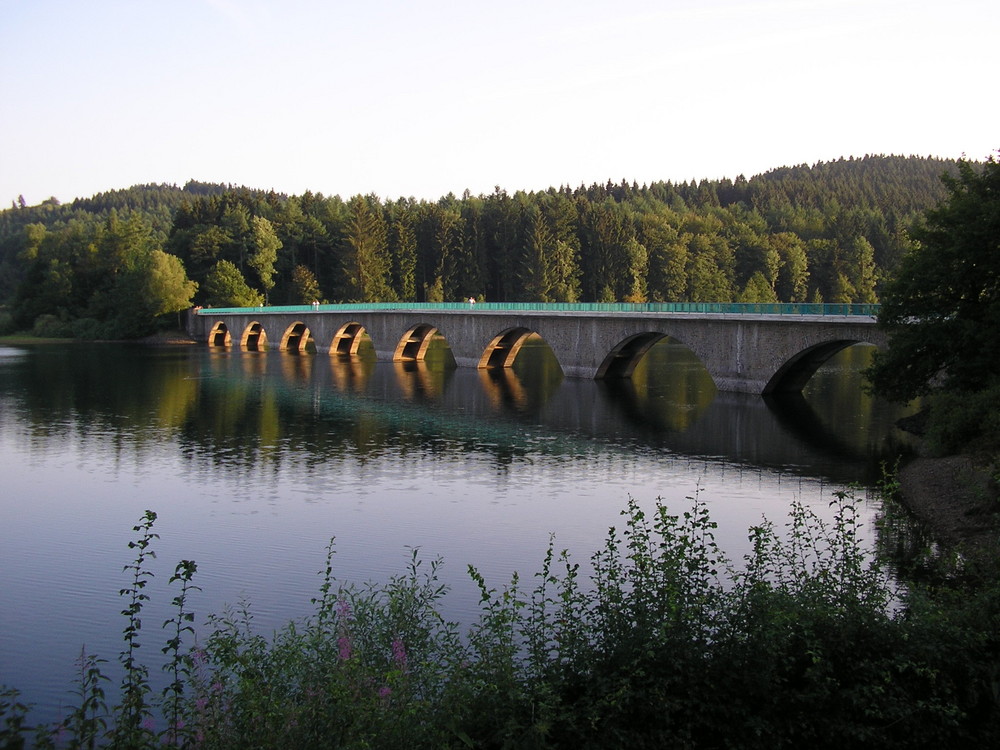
[{"x": 421, "y": 99}]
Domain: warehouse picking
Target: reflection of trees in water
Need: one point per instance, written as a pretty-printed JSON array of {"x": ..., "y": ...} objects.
[
  {"x": 793, "y": 412},
  {"x": 260, "y": 411},
  {"x": 665, "y": 410},
  {"x": 670, "y": 385},
  {"x": 83, "y": 393}
]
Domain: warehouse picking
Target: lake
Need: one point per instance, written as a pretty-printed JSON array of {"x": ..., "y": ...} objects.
[{"x": 253, "y": 461}]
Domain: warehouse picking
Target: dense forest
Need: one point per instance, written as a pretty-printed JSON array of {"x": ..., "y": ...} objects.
[{"x": 119, "y": 263}]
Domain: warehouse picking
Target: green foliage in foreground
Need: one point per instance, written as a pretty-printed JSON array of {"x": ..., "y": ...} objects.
[{"x": 663, "y": 644}]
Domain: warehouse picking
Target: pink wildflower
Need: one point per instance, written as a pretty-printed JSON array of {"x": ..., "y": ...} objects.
[
  {"x": 343, "y": 609},
  {"x": 399, "y": 654},
  {"x": 344, "y": 647},
  {"x": 384, "y": 692},
  {"x": 149, "y": 724}
]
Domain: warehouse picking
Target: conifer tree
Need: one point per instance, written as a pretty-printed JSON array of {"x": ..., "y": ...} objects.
[
  {"x": 403, "y": 251},
  {"x": 536, "y": 268},
  {"x": 305, "y": 288},
  {"x": 366, "y": 262}
]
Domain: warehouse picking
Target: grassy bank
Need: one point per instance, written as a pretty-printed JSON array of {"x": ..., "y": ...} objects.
[
  {"x": 806, "y": 642},
  {"x": 25, "y": 338},
  {"x": 157, "y": 339}
]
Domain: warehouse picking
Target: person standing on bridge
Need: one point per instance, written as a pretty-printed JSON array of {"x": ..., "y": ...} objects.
[{"x": 472, "y": 301}]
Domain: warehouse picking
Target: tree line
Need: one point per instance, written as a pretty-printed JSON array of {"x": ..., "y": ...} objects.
[{"x": 118, "y": 262}]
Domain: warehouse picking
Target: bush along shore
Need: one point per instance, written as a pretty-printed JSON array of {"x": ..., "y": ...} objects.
[{"x": 664, "y": 643}]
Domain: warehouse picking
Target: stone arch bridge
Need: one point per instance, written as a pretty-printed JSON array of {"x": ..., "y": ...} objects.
[{"x": 759, "y": 349}]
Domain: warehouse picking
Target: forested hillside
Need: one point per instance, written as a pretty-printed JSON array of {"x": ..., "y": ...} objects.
[{"x": 116, "y": 263}]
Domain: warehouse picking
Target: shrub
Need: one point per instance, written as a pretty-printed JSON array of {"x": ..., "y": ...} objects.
[
  {"x": 89, "y": 329},
  {"x": 51, "y": 327},
  {"x": 966, "y": 421},
  {"x": 665, "y": 644},
  {"x": 7, "y": 326}
]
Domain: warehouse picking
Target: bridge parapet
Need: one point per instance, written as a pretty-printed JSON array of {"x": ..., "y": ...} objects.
[{"x": 699, "y": 308}]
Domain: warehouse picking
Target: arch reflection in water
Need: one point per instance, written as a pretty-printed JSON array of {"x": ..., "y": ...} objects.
[
  {"x": 350, "y": 374},
  {"x": 530, "y": 381},
  {"x": 669, "y": 388},
  {"x": 295, "y": 366},
  {"x": 836, "y": 403},
  {"x": 423, "y": 378},
  {"x": 670, "y": 401}
]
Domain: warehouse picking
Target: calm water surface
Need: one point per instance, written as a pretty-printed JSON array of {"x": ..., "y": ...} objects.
[{"x": 255, "y": 460}]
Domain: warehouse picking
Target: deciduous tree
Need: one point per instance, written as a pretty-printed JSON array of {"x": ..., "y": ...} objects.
[
  {"x": 152, "y": 285},
  {"x": 942, "y": 307},
  {"x": 226, "y": 287}
]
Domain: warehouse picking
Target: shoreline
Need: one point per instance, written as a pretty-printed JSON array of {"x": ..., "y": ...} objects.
[{"x": 956, "y": 497}]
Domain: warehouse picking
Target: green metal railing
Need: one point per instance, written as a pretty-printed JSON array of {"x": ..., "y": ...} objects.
[{"x": 704, "y": 308}]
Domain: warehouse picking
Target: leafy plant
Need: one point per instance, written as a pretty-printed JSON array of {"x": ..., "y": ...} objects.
[
  {"x": 88, "y": 721},
  {"x": 179, "y": 665},
  {"x": 134, "y": 720},
  {"x": 13, "y": 715}
]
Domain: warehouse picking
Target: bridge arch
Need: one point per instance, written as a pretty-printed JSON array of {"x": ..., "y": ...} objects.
[
  {"x": 219, "y": 335},
  {"x": 792, "y": 376},
  {"x": 413, "y": 345},
  {"x": 747, "y": 351},
  {"x": 347, "y": 338},
  {"x": 254, "y": 337},
  {"x": 623, "y": 358},
  {"x": 503, "y": 348},
  {"x": 296, "y": 337}
]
